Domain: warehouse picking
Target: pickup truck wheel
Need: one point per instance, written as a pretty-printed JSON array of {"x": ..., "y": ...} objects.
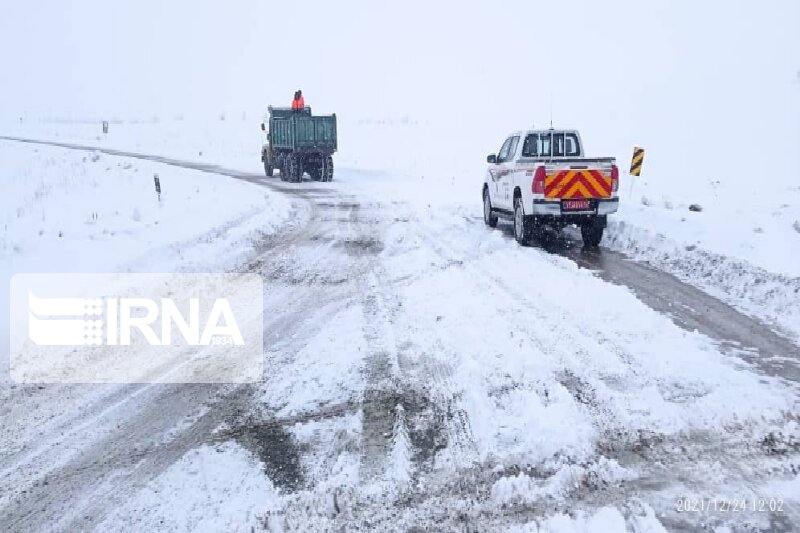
[
  {"x": 488, "y": 218},
  {"x": 592, "y": 234},
  {"x": 522, "y": 229},
  {"x": 268, "y": 168}
]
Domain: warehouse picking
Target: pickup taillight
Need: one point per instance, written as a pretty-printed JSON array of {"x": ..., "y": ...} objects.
[
  {"x": 538, "y": 181},
  {"x": 614, "y": 178}
]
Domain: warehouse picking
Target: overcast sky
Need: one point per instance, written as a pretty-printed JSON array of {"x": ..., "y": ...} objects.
[{"x": 619, "y": 70}]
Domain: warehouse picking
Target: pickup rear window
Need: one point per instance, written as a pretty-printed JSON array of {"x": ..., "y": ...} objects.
[{"x": 562, "y": 144}]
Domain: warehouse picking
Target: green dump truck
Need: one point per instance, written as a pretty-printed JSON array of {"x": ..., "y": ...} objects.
[{"x": 298, "y": 142}]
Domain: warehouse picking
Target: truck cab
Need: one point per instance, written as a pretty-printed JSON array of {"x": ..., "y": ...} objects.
[{"x": 543, "y": 178}]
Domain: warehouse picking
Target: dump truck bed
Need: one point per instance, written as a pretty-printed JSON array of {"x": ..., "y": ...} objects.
[{"x": 300, "y": 131}]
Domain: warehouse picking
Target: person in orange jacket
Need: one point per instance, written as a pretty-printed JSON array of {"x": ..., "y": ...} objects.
[{"x": 298, "y": 103}]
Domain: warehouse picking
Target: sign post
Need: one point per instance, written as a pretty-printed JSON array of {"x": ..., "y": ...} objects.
[
  {"x": 636, "y": 164},
  {"x": 158, "y": 186}
]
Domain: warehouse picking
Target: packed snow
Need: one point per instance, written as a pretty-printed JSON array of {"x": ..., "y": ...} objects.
[{"x": 196, "y": 494}]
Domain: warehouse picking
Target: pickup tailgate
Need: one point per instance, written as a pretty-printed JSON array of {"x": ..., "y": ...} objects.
[{"x": 580, "y": 179}]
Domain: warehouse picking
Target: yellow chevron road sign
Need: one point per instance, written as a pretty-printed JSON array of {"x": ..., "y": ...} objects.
[{"x": 636, "y": 162}]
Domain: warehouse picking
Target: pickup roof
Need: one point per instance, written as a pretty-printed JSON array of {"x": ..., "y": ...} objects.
[{"x": 541, "y": 178}]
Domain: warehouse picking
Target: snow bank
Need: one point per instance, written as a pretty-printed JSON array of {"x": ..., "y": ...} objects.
[
  {"x": 739, "y": 220},
  {"x": 522, "y": 489},
  {"x": 606, "y": 519},
  {"x": 771, "y": 296}
]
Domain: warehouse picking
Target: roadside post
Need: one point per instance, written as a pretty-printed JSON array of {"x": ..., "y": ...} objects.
[
  {"x": 158, "y": 186},
  {"x": 636, "y": 164},
  {"x": 105, "y": 127}
]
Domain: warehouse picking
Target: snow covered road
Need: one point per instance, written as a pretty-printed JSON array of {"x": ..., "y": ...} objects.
[{"x": 425, "y": 372}]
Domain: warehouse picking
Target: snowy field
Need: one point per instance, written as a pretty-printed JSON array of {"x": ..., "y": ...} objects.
[
  {"x": 90, "y": 212},
  {"x": 67, "y": 211}
]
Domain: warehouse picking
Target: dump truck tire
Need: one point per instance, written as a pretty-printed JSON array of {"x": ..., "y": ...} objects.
[
  {"x": 282, "y": 167},
  {"x": 294, "y": 169},
  {"x": 327, "y": 169},
  {"x": 291, "y": 169}
]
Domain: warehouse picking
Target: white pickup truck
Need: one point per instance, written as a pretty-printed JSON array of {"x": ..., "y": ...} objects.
[{"x": 541, "y": 177}]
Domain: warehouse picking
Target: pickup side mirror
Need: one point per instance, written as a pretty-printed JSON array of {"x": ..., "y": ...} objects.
[
  {"x": 491, "y": 158},
  {"x": 263, "y": 127}
]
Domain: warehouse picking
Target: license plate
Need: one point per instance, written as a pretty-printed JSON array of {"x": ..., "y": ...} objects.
[{"x": 575, "y": 205}]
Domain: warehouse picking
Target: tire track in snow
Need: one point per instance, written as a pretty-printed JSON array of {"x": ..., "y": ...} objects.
[
  {"x": 381, "y": 396},
  {"x": 132, "y": 453},
  {"x": 678, "y": 457},
  {"x": 405, "y": 394},
  {"x": 589, "y": 491}
]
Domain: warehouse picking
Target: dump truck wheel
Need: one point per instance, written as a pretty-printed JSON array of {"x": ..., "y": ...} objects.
[
  {"x": 315, "y": 172},
  {"x": 282, "y": 168},
  {"x": 268, "y": 168},
  {"x": 291, "y": 169},
  {"x": 327, "y": 169}
]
